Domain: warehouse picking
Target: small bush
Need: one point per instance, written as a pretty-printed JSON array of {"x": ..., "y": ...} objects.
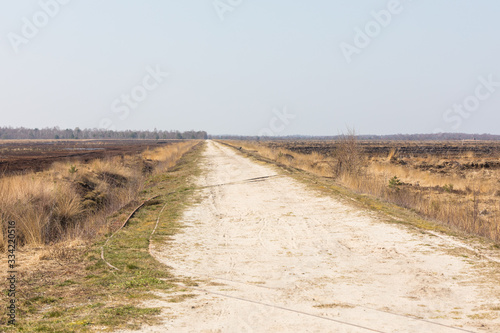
[
  {"x": 448, "y": 188},
  {"x": 72, "y": 169},
  {"x": 394, "y": 182}
]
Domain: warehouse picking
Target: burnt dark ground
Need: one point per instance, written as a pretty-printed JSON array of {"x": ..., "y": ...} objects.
[
  {"x": 19, "y": 156},
  {"x": 404, "y": 148}
]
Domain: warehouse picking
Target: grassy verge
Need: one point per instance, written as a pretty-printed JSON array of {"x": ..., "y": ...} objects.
[
  {"x": 72, "y": 290},
  {"x": 386, "y": 211},
  {"x": 423, "y": 183}
]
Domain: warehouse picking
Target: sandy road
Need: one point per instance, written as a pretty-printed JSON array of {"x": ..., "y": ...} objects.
[{"x": 274, "y": 256}]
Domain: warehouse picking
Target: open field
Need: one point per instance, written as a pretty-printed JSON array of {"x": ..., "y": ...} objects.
[
  {"x": 244, "y": 245},
  {"x": 37, "y": 155},
  {"x": 482, "y": 149},
  {"x": 456, "y": 183}
]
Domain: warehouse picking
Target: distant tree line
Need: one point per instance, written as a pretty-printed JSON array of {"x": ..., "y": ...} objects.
[
  {"x": 392, "y": 137},
  {"x": 77, "y": 133}
]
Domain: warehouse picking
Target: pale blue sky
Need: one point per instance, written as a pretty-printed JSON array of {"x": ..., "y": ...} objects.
[{"x": 234, "y": 76}]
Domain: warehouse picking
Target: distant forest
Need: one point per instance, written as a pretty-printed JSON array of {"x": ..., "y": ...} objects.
[
  {"x": 56, "y": 133},
  {"x": 393, "y": 137},
  {"x": 77, "y": 133}
]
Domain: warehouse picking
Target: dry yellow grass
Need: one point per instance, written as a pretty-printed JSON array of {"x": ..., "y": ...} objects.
[
  {"x": 72, "y": 200},
  {"x": 466, "y": 200},
  {"x": 315, "y": 162},
  {"x": 169, "y": 155}
]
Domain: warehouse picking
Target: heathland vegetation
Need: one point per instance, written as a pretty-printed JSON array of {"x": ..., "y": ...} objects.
[
  {"x": 72, "y": 199},
  {"x": 456, "y": 183},
  {"x": 65, "y": 216}
]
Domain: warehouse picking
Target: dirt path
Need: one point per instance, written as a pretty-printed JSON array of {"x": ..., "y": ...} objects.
[{"x": 275, "y": 256}]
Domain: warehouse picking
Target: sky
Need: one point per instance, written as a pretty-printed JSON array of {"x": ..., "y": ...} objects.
[{"x": 261, "y": 67}]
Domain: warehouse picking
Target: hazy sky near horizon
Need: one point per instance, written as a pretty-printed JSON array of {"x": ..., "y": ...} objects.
[{"x": 252, "y": 67}]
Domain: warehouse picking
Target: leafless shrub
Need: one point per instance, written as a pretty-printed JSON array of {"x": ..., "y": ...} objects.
[{"x": 347, "y": 155}]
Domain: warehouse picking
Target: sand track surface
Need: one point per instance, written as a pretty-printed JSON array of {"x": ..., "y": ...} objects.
[{"x": 272, "y": 255}]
